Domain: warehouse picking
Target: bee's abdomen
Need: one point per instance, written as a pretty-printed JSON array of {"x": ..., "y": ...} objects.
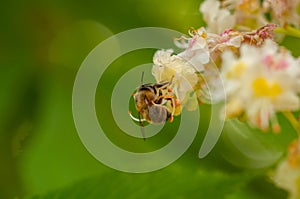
[{"x": 158, "y": 114}]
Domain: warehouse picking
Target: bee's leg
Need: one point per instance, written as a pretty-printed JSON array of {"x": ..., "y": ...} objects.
[
  {"x": 173, "y": 108},
  {"x": 171, "y": 81},
  {"x": 166, "y": 97},
  {"x": 142, "y": 126},
  {"x": 171, "y": 118},
  {"x": 169, "y": 97},
  {"x": 168, "y": 83},
  {"x": 140, "y": 120},
  {"x": 136, "y": 119},
  {"x": 165, "y": 85}
]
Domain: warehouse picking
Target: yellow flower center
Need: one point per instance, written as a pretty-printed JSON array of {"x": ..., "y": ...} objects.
[
  {"x": 237, "y": 70},
  {"x": 249, "y": 6},
  {"x": 263, "y": 88}
]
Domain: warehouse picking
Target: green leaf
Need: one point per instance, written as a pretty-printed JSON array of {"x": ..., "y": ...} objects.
[
  {"x": 258, "y": 188},
  {"x": 177, "y": 182},
  {"x": 249, "y": 147}
]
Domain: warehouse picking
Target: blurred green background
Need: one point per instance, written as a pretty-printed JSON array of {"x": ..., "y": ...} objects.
[{"x": 42, "y": 45}]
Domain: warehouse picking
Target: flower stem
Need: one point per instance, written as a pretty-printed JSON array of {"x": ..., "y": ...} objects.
[
  {"x": 294, "y": 122},
  {"x": 288, "y": 30}
]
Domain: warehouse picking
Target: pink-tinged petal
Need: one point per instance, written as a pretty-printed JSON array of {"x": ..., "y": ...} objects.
[
  {"x": 282, "y": 64},
  {"x": 268, "y": 60}
]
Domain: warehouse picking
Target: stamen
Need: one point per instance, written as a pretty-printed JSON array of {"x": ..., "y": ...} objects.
[{"x": 276, "y": 128}]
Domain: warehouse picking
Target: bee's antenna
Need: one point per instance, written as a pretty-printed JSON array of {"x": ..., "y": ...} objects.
[{"x": 142, "y": 78}]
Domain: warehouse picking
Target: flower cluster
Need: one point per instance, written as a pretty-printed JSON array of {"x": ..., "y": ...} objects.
[
  {"x": 184, "y": 76},
  {"x": 235, "y": 59},
  {"x": 261, "y": 82},
  {"x": 248, "y": 14},
  {"x": 287, "y": 175},
  {"x": 196, "y": 70}
]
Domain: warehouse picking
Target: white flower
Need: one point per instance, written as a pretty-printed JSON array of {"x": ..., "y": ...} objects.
[
  {"x": 285, "y": 12},
  {"x": 261, "y": 82},
  {"x": 217, "y": 19},
  {"x": 196, "y": 48},
  {"x": 249, "y": 14},
  {"x": 227, "y": 40},
  {"x": 287, "y": 174},
  {"x": 184, "y": 76},
  {"x": 203, "y": 46},
  {"x": 202, "y": 50},
  {"x": 288, "y": 178}
]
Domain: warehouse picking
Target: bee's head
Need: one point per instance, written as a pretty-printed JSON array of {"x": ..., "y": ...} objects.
[{"x": 147, "y": 87}]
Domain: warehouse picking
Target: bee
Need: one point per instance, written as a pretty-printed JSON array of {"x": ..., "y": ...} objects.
[{"x": 150, "y": 100}]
